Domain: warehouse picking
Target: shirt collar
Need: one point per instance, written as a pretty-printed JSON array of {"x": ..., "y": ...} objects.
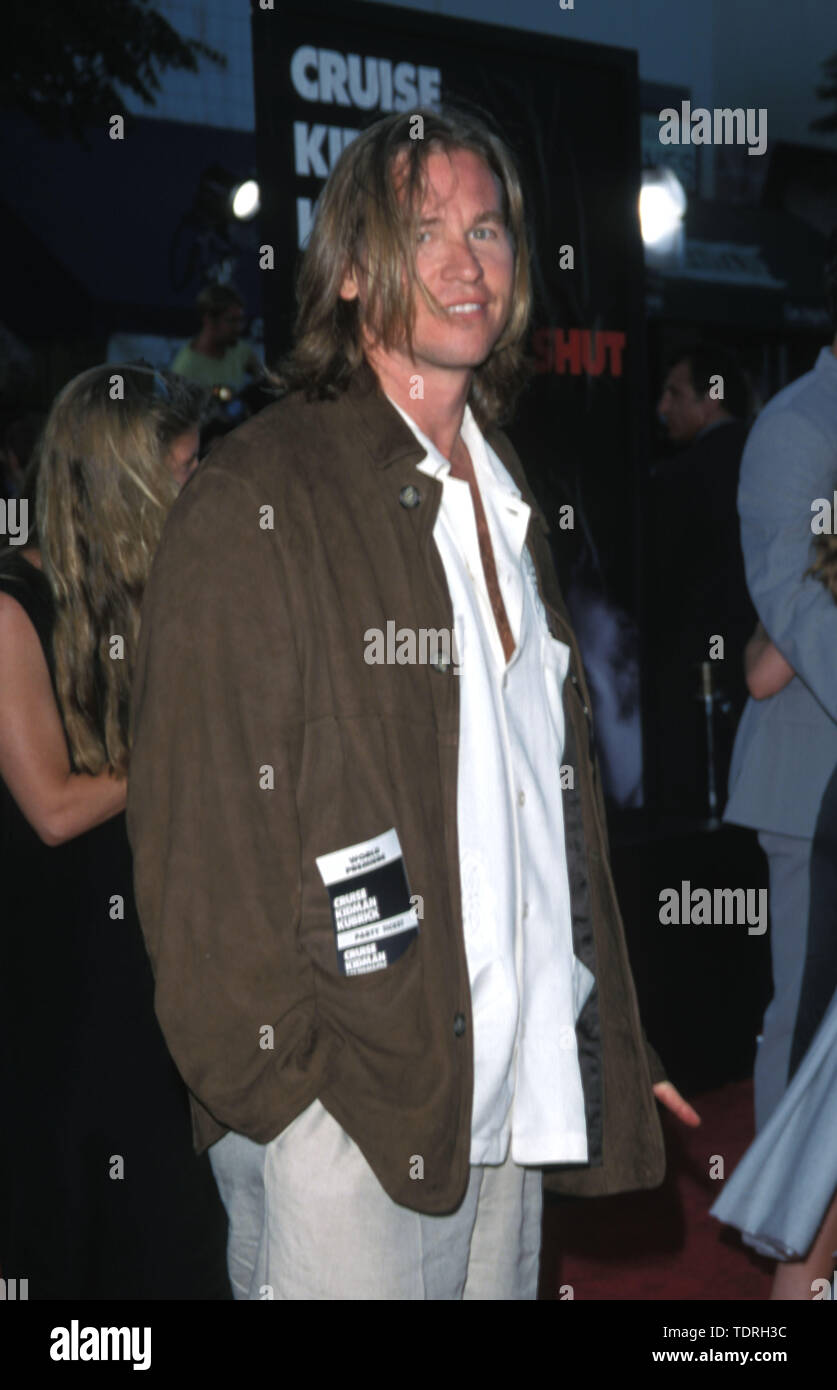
[
  {"x": 483, "y": 456},
  {"x": 390, "y": 442}
]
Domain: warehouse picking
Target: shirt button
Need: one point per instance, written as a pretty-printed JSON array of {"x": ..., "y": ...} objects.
[
  {"x": 409, "y": 496},
  {"x": 525, "y": 911},
  {"x": 521, "y": 798},
  {"x": 459, "y": 1024}
]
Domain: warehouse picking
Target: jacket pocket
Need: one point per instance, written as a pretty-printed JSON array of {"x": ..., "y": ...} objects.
[{"x": 374, "y": 917}]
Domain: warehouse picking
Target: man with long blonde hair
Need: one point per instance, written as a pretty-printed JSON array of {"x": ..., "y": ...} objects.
[{"x": 371, "y": 859}]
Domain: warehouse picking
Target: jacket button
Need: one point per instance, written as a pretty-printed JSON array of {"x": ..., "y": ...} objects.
[
  {"x": 409, "y": 496},
  {"x": 441, "y": 666},
  {"x": 459, "y": 1024},
  {"x": 575, "y": 681}
]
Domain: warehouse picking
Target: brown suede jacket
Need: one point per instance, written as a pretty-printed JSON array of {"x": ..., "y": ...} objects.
[{"x": 263, "y": 739}]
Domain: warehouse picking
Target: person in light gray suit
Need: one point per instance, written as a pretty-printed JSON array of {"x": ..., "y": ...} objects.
[{"x": 786, "y": 746}]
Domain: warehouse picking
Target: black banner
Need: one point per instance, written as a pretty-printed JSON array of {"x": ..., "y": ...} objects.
[{"x": 108, "y": 1342}]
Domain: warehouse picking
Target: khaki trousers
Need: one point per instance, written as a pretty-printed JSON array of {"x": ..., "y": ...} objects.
[{"x": 309, "y": 1220}]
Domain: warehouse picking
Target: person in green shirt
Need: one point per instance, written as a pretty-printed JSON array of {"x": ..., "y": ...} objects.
[{"x": 216, "y": 357}]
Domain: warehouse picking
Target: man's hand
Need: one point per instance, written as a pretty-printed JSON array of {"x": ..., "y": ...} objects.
[{"x": 671, "y": 1098}]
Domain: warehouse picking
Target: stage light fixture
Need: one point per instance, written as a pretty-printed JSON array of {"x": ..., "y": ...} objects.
[
  {"x": 662, "y": 204},
  {"x": 211, "y": 234},
  {"x": 245, "y": 200}
]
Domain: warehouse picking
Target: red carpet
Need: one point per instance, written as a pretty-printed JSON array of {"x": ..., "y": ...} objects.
[{"x": 662, "y": 1244}]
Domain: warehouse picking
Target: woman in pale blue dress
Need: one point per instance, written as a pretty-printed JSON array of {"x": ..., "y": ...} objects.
[{"x": 783, "y": 1194}]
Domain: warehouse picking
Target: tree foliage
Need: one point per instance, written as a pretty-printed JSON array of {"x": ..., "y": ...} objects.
[{"x": 63, "y": 61}]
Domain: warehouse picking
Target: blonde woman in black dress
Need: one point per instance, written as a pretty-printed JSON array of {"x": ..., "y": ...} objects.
[{"x": 101, "y": 1193}]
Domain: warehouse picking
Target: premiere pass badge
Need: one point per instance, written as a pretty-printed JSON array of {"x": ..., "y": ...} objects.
[{"x": 373, "y": 918}]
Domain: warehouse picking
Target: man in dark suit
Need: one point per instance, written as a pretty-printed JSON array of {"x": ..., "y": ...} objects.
[{"x": 699, "y": 590}]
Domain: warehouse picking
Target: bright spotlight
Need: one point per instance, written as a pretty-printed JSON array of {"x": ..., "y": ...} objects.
[
  {"x": 245, "y": 200},
  {"x": 662, "y": 204}
]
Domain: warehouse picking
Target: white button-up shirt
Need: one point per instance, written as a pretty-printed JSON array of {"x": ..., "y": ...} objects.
[{"x": 527, "y": 987}]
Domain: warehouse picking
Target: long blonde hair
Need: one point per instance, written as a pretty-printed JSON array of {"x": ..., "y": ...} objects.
[
  {"x": 103, "y": 492},
  {"x": 361, "y": 217}
]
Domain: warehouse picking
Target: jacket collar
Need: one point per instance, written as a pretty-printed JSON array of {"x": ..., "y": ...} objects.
[
  {"x": 390, "y": 440},
  {"x": 387, "y": 437}
]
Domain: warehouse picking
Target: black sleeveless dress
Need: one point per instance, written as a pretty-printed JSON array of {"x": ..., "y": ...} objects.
[{"x": 101, "y": 1192}]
